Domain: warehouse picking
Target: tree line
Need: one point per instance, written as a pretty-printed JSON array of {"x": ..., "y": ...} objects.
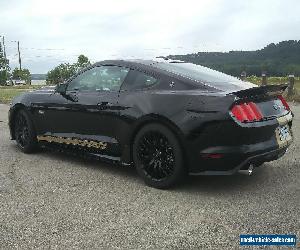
[
  {"x": 58, "y": 74},
  {"x": 278, "y": 59},
  {"x": 65, "y": 70}
]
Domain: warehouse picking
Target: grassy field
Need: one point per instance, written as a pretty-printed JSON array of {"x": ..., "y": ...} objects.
[
  {"x": 9, "y": 92},
  {"x": 279, "y": 80},
  {"x": 275, "y": 80}
]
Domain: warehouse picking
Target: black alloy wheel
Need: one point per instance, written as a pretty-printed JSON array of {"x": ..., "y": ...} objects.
[
  {"x": 24, "y": 132},
  {"x": 157, "y": 156}
]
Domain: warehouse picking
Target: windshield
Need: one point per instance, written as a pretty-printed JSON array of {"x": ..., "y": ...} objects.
[{"x": 205, "y": 75}]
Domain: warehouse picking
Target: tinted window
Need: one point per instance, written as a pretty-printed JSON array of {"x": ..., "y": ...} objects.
[
  {"x": 99, "y": 78},
  {"x": 139, "y": 80},
  {"x": 206, "y": 75}
]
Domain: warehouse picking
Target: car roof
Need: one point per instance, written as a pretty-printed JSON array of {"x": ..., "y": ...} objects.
[
  {"x": 146, "y": 66},
  {"x": 136, "y": 63}
]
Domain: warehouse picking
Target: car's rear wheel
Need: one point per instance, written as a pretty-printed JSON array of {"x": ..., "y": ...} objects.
[
  {"x": 157, "y": 156},
  {"x": 24, "y": 132}
]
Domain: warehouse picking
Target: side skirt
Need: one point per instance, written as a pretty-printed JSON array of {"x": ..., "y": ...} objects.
[
  {"x": 95, "y": 147},
  {"x": 77, "y": 152}
]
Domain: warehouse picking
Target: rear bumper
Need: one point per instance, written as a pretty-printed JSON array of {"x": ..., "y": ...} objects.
[
  {"x": 245, "y": 164},
  {"x": 241, "y": 148}
]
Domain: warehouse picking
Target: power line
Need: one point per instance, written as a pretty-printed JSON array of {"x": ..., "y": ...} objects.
[{"x": 36, "y": 48}]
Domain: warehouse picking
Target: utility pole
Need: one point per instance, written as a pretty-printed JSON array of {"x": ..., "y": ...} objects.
[
  {"x": 19, "y": 56},
  {"x": 4, "y": 52},
  {"x": 6, "y": 66}
]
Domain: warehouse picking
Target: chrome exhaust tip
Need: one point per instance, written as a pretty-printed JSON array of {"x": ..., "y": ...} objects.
[{"x": 248, "y": 171}]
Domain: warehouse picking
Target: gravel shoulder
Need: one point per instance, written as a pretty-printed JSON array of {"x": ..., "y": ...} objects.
[{"x": 50, "y": 200}]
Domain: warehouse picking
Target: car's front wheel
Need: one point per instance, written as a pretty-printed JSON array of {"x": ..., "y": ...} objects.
[
  {"x": 157, "y": 156},
  {"x": 24, "y": 132}
]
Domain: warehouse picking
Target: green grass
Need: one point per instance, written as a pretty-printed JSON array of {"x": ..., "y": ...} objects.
[
  {"x": 7, "y": 93},
  {"x": 22, "y": 87}
]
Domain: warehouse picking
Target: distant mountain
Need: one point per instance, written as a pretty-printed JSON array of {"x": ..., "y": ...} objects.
[
  {"x": 38, "y": 76},
  {"x": 276, "y": 59}
]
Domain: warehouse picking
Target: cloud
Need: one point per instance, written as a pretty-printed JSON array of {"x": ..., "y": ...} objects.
[{"x": 134, "y": 29}]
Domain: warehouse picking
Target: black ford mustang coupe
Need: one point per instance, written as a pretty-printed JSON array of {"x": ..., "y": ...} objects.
[{"x": 167, "y": 118}]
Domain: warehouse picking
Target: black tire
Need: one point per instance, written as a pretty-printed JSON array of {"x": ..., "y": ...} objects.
[
  {"x": 24, "y": 132},
  {"x": 157, "y": 156}
]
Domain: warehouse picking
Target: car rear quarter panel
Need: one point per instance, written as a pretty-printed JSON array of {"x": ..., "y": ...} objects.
[
  {"x": 201, "y": 121},
  {"x": 184, "y": 112}
]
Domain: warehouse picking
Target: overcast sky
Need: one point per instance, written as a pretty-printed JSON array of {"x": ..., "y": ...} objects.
[{"x": 55, "y": 31}]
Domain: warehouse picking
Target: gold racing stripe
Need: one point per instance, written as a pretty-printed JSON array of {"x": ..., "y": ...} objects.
[{"x": 71, "y": 141}]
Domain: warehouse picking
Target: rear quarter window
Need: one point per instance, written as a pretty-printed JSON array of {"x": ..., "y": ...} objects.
[
  {"x": 205, "y": 76},
  {"x": 139, "y": 80}
]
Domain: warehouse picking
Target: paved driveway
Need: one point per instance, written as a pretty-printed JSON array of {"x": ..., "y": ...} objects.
[{"x": 49, "y": 200}]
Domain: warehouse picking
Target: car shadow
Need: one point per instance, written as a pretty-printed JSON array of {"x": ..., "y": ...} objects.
[
  {"x": 91, "y": 163},
  {"x": 223, "y": 184},
  {"x": 201, "y": 184},
  {"x": 190, "y": 183}
]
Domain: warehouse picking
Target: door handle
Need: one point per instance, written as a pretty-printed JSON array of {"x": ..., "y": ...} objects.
[
  {"x": 71, "y": 95},
  {"x": 104, "y": 105}
]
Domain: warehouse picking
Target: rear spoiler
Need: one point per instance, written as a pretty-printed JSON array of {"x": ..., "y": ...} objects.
[{"x": 268, "y": 90}]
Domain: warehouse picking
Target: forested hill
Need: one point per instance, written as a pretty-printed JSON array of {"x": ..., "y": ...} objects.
[{"x": 277, "y": 59}]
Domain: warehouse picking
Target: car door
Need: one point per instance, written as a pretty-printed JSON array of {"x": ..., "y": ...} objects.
[
  {"x": 134, "y": 102},
  {"x": 89, "y": 108}
]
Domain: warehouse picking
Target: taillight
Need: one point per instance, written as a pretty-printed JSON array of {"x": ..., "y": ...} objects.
[
  {"x": 284, "y": 102},
  {"x": 246, "y": 112}
]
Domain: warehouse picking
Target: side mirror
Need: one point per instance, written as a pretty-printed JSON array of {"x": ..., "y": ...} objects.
[{"x": 61, "y": 88}]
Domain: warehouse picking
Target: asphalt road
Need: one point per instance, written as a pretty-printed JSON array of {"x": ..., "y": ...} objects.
[{"x": 49, "y": 200}]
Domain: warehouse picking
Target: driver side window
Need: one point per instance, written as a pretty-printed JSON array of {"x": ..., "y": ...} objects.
[{"x": 105, "y": 78}]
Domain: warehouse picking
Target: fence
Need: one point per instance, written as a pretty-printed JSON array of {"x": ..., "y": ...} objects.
[{"x": 291, "y": 90}]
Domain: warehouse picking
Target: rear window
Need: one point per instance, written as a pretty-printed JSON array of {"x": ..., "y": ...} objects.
[{"x": 205, "y": 75}]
